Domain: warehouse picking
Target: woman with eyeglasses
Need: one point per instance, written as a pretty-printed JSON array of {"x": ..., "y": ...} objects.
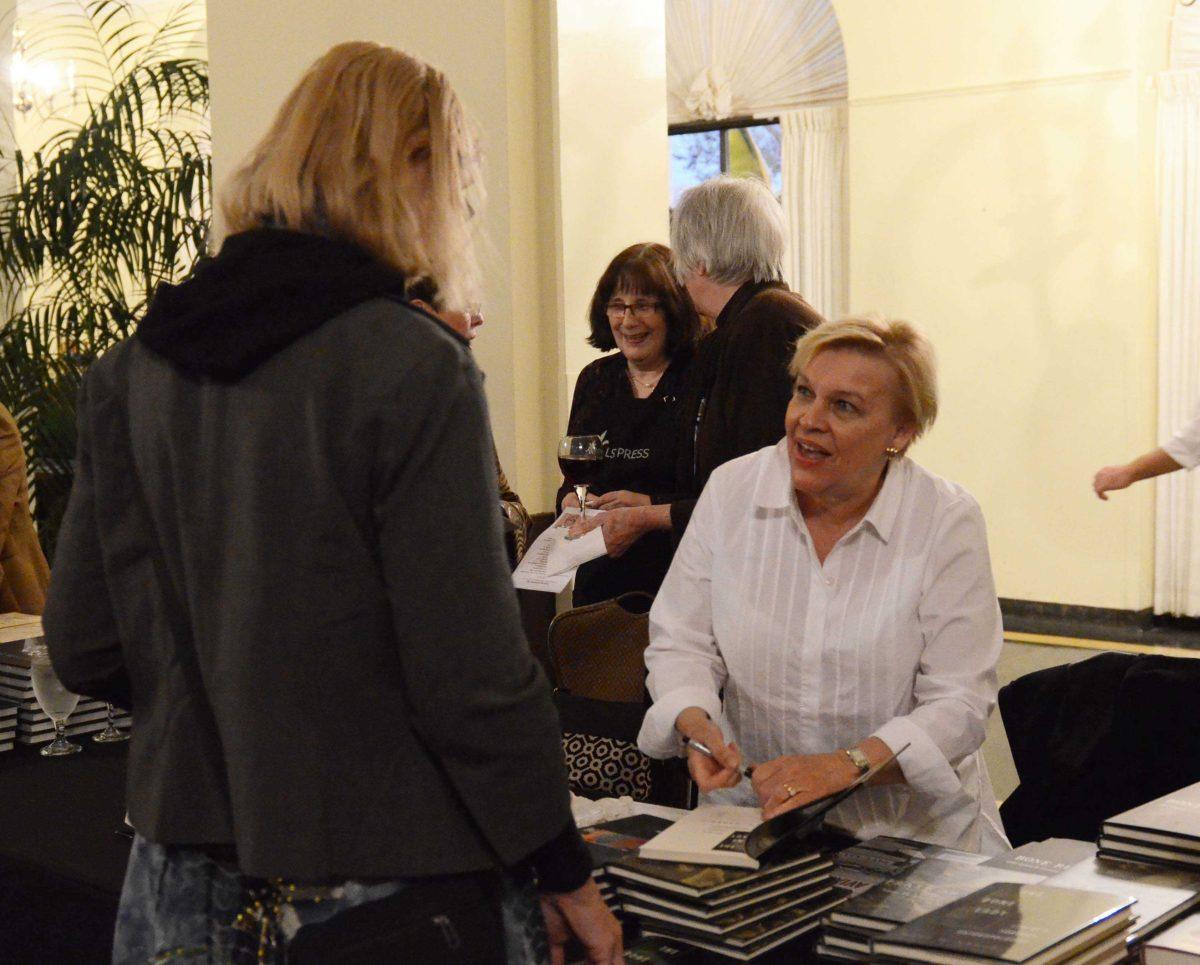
[{"x": 632, "y": 399}]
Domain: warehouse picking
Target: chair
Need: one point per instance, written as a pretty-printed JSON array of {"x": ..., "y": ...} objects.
[
  {"x": 596, "y": 651},
  {"x": 1095, "y": 738}
]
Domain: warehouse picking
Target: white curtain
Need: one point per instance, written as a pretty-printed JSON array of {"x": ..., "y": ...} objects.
[
  {"x": 731, "y": 58},
  {"x": 815, "y": 202},
  {"x": 1177, "y": 524}
]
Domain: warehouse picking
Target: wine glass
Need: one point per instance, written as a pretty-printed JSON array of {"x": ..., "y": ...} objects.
[
  {"x": 579, "y": 458},
  {"x": 58, "y": 702},
  {"x": 111, "y": 734}
]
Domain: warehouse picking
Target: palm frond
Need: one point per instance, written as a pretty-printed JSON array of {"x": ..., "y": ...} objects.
[{"x": 107, "y": 208}]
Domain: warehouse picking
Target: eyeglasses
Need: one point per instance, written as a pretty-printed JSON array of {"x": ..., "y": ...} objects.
[{"x": 639, "y": 309}]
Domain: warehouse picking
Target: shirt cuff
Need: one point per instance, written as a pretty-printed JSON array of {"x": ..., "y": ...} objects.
[
  {"x": 681, "y": 515},
  {"x": 658, "y": 737},
  {"x": 1184, "y": 454},
  {"x": 563, "y": 863},
  {"x": 925, "y": 767}
]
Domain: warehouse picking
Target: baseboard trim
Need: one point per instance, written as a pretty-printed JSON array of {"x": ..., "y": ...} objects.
[{"x": 1098, "y": 628}]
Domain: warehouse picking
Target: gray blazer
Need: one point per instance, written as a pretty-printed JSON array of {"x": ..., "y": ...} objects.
[{"x": 310, "y": 603}]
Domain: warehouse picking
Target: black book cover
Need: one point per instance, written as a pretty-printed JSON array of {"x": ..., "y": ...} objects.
[
  {"x": 614, "y": 840},
  {"x": 1009, "y": 922},
  {"x": 921, "y": 889}
]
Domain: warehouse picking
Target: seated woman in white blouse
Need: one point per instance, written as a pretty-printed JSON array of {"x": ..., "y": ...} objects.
[{"x": 832, "y": 601}]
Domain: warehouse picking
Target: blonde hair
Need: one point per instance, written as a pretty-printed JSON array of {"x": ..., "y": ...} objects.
[
  {"x": 338, "y": 161},
  {"x": 896, "y": 342},
  {"x": 731, "y": 227}
]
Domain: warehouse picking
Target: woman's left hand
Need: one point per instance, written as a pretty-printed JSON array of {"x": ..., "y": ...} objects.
[
  {"x": 786, "y": 783},
  {"x": 618, "y": 499},
  {"x": 622, "y": 527}
]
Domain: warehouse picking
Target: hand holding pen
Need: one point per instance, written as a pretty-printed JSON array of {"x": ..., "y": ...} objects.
[
  {"x": 747, "y": 770},
  {"x": 715, "y": 763}
]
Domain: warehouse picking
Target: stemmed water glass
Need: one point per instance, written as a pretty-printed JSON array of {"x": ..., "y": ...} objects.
[
  {"x": 111, "y": 734},
  {"x": 57, "y": 702},
  {"x": 580, "y": 458}
]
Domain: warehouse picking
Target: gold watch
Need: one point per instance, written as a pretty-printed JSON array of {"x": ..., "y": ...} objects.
[{"x": 858, "y": 759}]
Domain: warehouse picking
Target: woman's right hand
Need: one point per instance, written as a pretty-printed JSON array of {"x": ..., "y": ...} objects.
[
  {"x": 709, "y": 775},
  {"x": 582, "y": 913},
  {"x": 570, "y": 501},
  {"x": 1112, "y": 477}
]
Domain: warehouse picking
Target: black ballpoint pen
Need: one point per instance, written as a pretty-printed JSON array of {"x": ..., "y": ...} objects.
[{"x": 747, "y": 771}]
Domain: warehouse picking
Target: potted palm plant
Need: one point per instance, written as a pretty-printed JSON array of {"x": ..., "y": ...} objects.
[{"x": 112, "y": 199}]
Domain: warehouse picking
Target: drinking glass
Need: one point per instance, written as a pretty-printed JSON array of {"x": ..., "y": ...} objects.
[
  {"x": 58, "y": 702},
  {"x": 579, "y": 458},
  {"x": 111, "y": 734}
]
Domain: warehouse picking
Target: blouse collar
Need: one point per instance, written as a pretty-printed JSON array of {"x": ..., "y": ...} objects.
[{"x": 773, "y": 490}]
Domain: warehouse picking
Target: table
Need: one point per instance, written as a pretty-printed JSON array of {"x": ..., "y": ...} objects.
[{"x": 61, "y": 859}]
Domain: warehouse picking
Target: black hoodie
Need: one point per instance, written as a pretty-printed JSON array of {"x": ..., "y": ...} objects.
[{"x": 265, "y": 289}]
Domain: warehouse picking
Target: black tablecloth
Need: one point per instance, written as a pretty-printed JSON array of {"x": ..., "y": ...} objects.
[{"x": 61, "y": 858}]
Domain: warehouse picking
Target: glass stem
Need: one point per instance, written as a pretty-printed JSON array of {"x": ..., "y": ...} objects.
[
  {"x": 581, "y": 495},
  {"x": 60, "y": 730},
  {"x": 110, "y": 716}
]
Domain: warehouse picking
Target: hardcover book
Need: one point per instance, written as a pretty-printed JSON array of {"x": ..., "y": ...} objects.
[
  {"x": 1162, "y": 894},
  {"x": 731, "y": 920},
  {"x": 921, "y": 889},
  {"x": 754, "y": 939},
  {"x": 1167, "y": 819},
  {"x": 1178, "y": 945},
  {"x": 1122, "y": 849},
  {"x": 1007, "y": 922},
  {"x": 710, "y": 884},
  {"x": 761, "y": 891}
]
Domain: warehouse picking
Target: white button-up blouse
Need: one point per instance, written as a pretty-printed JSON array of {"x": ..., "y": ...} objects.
[{"x": 896, "y": 636}]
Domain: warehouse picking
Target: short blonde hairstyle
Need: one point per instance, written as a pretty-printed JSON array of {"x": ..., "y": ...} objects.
[
  {"x": 898, "y": 343},
  {"x": 731, "y": 227},
  {"x": 338, "y": 161}
]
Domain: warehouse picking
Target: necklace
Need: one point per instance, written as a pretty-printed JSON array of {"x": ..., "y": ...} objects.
[{"x": 649, "y": 385}]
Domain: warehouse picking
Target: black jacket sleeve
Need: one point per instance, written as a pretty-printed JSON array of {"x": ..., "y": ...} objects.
[{"x": 80, "y": 621}]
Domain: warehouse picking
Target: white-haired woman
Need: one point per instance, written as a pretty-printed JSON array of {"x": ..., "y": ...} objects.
[
  {"x": 832, "y": 602},
  {"x": 727, "y": 242},
  {"x": 284, "y": 482}
]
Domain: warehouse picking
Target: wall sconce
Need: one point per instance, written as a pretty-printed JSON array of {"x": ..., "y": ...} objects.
[{"x": 35, "y": 83}]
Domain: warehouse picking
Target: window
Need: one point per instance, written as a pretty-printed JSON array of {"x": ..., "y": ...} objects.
[{"x": 702, "y": 151}]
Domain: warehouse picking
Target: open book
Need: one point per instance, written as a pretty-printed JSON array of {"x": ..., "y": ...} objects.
[{"x": 737, "y": 837}]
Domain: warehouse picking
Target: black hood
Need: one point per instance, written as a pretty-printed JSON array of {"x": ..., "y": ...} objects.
[{"x": 265, "y": 289}]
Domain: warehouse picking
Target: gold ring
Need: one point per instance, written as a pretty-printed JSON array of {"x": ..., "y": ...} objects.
[{"x": 791, "y": 791}]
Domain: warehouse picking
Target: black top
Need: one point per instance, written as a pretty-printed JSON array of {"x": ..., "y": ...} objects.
[
  {"x": 739, "y": 387},
  {"x": 643, "y": 447},
  {"x": 274, "y": 567}
]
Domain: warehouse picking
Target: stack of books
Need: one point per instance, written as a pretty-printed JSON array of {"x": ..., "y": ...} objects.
[
  {"x": 33, "y": 726},
  {"x": 722, "y": 900},
  {"x": 8, "y": 724},
  {"x": 893, "y": 881},
  {"x": 1020, "y": 924},
  {"x": 613, "y": 840},
  {"x": 1165, "y": 831}
]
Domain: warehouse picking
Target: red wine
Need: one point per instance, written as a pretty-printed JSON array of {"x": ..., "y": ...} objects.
[{"x": 580, "y": 472}]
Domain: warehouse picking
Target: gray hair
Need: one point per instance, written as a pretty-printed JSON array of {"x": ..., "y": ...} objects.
[{"x": 731, "y": 227}]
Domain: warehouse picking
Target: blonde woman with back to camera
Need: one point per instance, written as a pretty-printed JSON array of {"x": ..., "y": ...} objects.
[
  {"x": 832, "y": 602},
  {"x": 283, "y": 483}
]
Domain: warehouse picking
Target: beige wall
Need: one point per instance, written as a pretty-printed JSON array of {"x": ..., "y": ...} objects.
[
  {"x": 1001, "y": 193},
  {"x": 570, "y": 98},
  {"x": 258, "y": 49}
]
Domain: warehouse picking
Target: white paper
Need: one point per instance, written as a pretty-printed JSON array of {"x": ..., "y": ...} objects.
[{"x": 553, "y": 559}]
